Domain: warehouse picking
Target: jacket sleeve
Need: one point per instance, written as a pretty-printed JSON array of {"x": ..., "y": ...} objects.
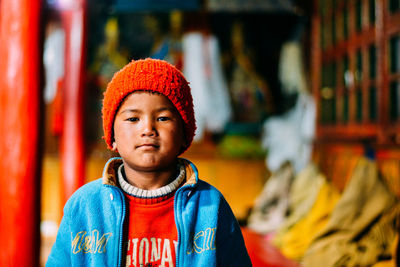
[
  {"x": 230, "y": 243},
  {"x": 60, "y": 254}
]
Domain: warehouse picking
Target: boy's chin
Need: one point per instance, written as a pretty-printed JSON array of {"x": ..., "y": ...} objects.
[{"x": 154, "y": 166}]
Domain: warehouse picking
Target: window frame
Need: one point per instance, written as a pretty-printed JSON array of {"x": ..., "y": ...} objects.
[{"x": 377, "y": 33}]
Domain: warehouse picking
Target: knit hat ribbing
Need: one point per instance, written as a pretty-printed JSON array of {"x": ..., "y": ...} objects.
[{"x": 148, "y": 75}]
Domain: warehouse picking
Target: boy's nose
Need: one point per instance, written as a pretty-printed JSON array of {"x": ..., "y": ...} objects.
[{"x": 148, "y": 128}]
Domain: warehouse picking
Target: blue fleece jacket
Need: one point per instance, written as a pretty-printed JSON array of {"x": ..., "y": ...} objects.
[{"x": 92, "y": 229}]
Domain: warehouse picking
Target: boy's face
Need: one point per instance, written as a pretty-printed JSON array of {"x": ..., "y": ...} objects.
[{"x": 148, "y": 132}]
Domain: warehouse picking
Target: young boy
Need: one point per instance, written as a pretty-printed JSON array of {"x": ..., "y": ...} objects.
[{"x": 150, "y": 208}]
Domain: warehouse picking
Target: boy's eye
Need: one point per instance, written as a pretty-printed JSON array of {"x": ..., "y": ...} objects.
[
  {"x": 132, "y": 119},
  {"x": 163, "y": 118}
]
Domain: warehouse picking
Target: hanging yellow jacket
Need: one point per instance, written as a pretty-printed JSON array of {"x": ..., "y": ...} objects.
[
  {"x": 296, "y": 241},
  {"x": 302, "y": 195}
]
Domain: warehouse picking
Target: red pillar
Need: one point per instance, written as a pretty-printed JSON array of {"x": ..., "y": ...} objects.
[
  {"x": 19, "y": 132},
  {"x": 72, "y": 141}
]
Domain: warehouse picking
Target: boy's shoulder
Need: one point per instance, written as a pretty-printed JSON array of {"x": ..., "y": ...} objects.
[
  {"x": 92, "y": 192},
  {"x": 202, "y": 184},
  {"x": 88, "y": 188},
  {"x": 205, "y": 188}
]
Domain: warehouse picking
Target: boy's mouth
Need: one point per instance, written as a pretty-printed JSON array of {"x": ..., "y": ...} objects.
[{"x": 148, "y": 145}]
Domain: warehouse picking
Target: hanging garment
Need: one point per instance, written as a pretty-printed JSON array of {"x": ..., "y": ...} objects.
[
  {"x": 289, "y": 137},
  {"x": 202, "y": 68},
  {"x": 303, "y": 193},
  {"x": 295, "y": 242},
  {"x": 53, "y": 61},
  {"x": 361, "y": 227},
  {"x": 271, "y": 205},
  {"x": 291, "y": 68},
  {"x": 221, "y": 110}
]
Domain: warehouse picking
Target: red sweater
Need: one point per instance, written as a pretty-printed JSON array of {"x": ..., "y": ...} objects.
[{"x": 152, "y": 233}]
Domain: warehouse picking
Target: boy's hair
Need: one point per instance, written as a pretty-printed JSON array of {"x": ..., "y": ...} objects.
[{"x": 149, "y": 75}]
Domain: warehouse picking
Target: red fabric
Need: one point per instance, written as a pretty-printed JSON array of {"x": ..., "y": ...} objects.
[
  {"x": 152, "y": 233},
  {"x": 262, "y": 253},
  {"x": 150, "y": 75}
]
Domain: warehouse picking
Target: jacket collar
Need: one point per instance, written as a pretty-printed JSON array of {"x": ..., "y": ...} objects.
[{"x": 110, "y": 172}]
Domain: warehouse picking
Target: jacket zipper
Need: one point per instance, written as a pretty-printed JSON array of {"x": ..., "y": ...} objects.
[
  {"x": 179, "y": 194},
  {"x": 177, "y": 222},
  {"x": 119, "y": 252},
  {"x": 121, "y": 237}
]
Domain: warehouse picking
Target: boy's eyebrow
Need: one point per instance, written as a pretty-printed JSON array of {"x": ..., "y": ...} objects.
[
  {"x": 130, "y": 110},
  {"x": 166, "y": 109}
]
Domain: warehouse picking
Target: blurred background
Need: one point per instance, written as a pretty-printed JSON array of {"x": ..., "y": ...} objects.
[{"x": 296, "y": 103}]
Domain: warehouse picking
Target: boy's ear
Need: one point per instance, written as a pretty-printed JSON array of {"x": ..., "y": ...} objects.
[{"x": 114, "y": 146}]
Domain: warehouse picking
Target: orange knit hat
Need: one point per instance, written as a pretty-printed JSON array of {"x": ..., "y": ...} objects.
[{"x": 148, "y": 75}]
